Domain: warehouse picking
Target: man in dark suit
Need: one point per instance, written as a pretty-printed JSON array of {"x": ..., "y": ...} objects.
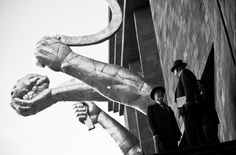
[
  {"x": 210, "y": 119},
  {"x": 191, "y": 109},
  {"x": 162, "y": 123}
]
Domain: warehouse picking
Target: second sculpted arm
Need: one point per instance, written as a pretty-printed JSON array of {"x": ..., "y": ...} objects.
[
  {"x": 72, "y": 90},
  {"x": 75, "y": 90},
  {"x": 113, "y": 82},
  {"x": 126, "y": 141}
]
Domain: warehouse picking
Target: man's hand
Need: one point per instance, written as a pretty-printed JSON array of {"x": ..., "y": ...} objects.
[
  {"x": 51, "y": 52},
  {"x": 30, "y": 107},
  {"x": 84, "y": 108}
]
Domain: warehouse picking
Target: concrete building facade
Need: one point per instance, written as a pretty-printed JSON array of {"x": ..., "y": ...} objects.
[{"x": 154, "y": 33}]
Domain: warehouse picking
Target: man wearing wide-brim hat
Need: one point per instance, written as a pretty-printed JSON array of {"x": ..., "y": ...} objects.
[
  {"x": 162, "y": 122},
  {"x": 187, "y": 89}
]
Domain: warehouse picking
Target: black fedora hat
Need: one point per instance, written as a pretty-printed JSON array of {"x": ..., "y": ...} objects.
[
  {"x": 178, "y": 63},
  {"x": 156, "y": 89}
]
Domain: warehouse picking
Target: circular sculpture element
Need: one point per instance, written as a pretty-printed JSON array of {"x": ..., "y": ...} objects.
[
  {"x": 102, "y": 35},
  {"x": 29, "y": 86}
]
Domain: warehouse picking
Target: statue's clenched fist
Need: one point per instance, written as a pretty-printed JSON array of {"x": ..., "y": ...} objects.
[
  {"x": 29, "y": 86},
  {"x": 31, "y": 94},
  {"x": 87, "y": 108},
  {"x": 51, "y": 52}
]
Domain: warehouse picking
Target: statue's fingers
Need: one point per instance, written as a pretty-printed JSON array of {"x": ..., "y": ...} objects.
[
  {"x": 81, "y": 113},
  {"x": 25, "y": 111},
  {"x": 21, "y": 102},
  {"x": 77, "y": 105},
  {"x": 82, "y": 118},
  {"x": 33, "y": 79},
  {"x": 13, "y": 105},
  {"x": 53, "y": 40},
  {"x": 42, "y": 80},
  {"x": 47, "y": 48},
  {"x": 26, "y": 97},
  {"x": 48, "y": 40},
  {"x": 78, "y": 109},
  {"x": 30, "y": 95},
  {"x": 21, "y": 110},
  {"x": 46, "y": 51},
  {"x": 39, "y": 64},
  {"x": 34, "y": 88},
  {"x": 86, "y": 105},
  {"x": 42, "y": 41},
  {"x": 44, "y": 58}
]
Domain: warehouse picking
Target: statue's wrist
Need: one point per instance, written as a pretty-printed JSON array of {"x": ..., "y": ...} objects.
[
  {"x": 65, "y": 63},
  {"x": 101, "y": 117},
  {"x": 69, "y": 57},
  {"x": 56, "y": 95}
]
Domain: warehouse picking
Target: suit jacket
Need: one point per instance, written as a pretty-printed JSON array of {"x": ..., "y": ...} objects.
[
  {"x": 188, "y": 87},
  {"x": 162, "y": 123}
]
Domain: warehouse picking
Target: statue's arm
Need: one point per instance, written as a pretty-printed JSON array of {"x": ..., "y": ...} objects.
[
  {"x": 126, "y": 141},
  {"x": 72, "y": 90},
  {"x": 103, "y": 80},
  {"x": 75, "y": 90},
  {"x": 114, "y": 82}
]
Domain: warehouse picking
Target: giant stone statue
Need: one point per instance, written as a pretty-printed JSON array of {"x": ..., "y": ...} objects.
[{"x": 93, "y": 81}]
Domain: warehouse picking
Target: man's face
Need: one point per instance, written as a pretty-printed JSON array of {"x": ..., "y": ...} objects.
[
  {"x": 176, "y": 73},
  {"x": 158, "y": 96}
]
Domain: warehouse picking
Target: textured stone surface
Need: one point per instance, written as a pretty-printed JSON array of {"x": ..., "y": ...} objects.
[{"x": 186, "y": 30}]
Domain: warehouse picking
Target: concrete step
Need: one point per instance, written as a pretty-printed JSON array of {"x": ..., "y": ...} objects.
[{"x": 224, "y": 148}]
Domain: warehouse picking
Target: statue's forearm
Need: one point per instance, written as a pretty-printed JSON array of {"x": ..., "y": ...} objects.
[
  {"x": 76, "y": 92},
  {"x": 127, "y": 142},
  {"x": 114, "y": 82},
  {"x": 91, "y": 71}
]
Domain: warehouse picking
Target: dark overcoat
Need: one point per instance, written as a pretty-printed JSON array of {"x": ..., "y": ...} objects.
[
  {"x": 163, "y": 125},
  {"x": 192, "y": 116}
]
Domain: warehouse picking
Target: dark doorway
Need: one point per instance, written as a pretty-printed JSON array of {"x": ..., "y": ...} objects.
[
  {"x": 210, "y": 119},
  {"x": 208, "y": 78}
]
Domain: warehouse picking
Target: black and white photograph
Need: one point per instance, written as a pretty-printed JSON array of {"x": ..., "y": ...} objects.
[{"x": 120, "y": 77}]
